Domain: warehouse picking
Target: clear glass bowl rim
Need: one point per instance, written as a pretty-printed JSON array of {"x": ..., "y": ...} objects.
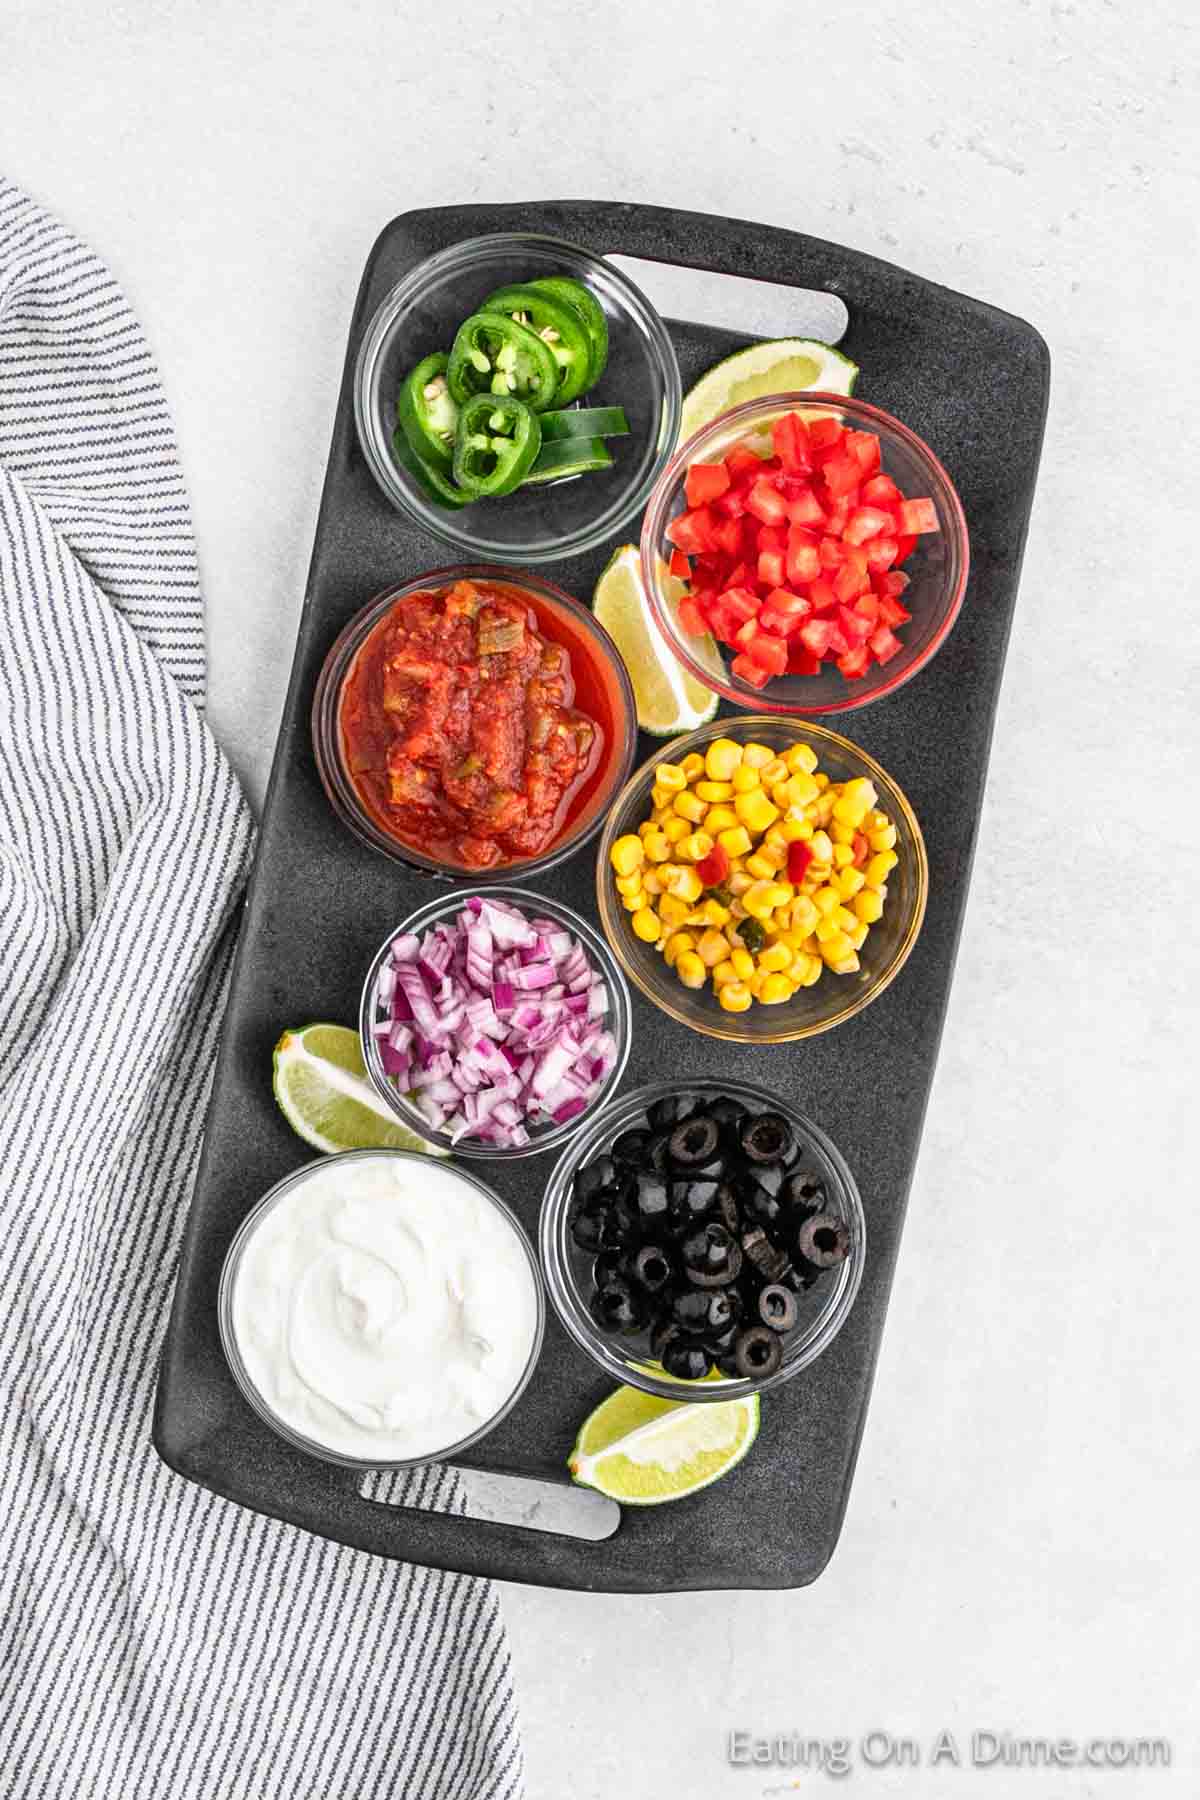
[
  {"x": 744, "y": 418},
  {"x": 569, "y": 1306},
  {"x": 619, "y": 1015},
  {"x": 725, "y": 1025},
  {"x": 228, "y": 1336},
  {"x": 440, "y": 520},
  {"x": 339, "y": 789}
]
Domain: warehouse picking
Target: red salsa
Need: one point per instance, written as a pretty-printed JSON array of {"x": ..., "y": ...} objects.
[{"x": 459, "y": 729}]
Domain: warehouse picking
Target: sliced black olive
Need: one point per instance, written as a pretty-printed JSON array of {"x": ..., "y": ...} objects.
[
  {"x": 651, "y": 1198},
  {"x": 689, "y": 1308},
  {"x": 724, "y": 1309},
  {"x": 686, "y": 1361},
  {"x": 670, "y": 1111},
  {"x": 823, "y": 1240},
  {"x": 803, "y": 1191},
  {"x": 624, "y": 1220},
  {"x": 712, "y": 1257},
  {"x": 691, "y": 1201},
  {"x": 608, "y": 1263},
  {"x": 768, "y": 1177},
  {"x": 729, "y": 1208},
  {"x": 656, "y": 1152},
  {"x": 766, "y": 1139},
  {"x": 599, "y": 1173},
  {"x": 777, "y": 1307},
  {"x": 630, "y": 1149},
  {"x": 618, "y": 1307},
  {"x": 694, "y": 1142},
  {"x": 589, "y": 1225},
  {"x": 663, "y": 1331},
  {"x": 728, "y": 1113},
  {"x": 652, "y": 1266},
  {"x": 757, "y": 1352},
  {"x": 766, "y": 1257}
]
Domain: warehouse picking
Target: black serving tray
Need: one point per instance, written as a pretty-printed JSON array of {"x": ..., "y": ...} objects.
[{"x": 974, "y": 383}]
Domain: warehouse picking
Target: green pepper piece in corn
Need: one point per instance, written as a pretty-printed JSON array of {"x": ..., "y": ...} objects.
[
  {"x": 569, "y": 456},
  {"x": 434, "y": 482},
  {"x": 497, "y": 440},
  {"x": 496, "y": 355},
  {"x": 557, "y": 325},
  {"x": 428, "y": 412},
  {"x": 585, "y": 303},
  {"x": 586, "y": 421}
]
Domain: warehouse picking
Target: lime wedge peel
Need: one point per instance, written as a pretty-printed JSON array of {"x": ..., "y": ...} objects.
[
  {"x": 644, "y": 1451},
  {"x": 669, "y": 699},
  {"x": 775, "y": 366},
  {"x": 323, "y": 1091}
]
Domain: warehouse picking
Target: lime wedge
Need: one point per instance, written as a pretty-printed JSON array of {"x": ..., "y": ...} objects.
[
  {"x": 324, "y": 1094},
  {"x": 776, "y": 366},
  {"x": 643, "y": 1451},
  {"x": 669, "y": 700}
]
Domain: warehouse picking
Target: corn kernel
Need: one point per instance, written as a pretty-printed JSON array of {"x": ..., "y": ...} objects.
[
  {"x": 719, "y": 818},
  {"x": 858, "y": 933},
  {"x": 801, "y": 759},
  {"x": 715, "y": 913},
  {"x": 645, "y": 826},
  {"x": 660, "y": 797},
  {"x": 714, "y": 791},
  {"x": 842, "y": 834},
  {"x": 652, "y": 881},
  {"x": 685, "y": 884},
  {"x": 671, "y": 777},
  {"x": 758, "y": 866},
  {"x": 721, "y": 759},
  {"x": 630, "y": 884},
  {"x": 634, "y": 902},
  {"x": 645, "y": 925},
  {"x": 879, "y": 867},
  {"x": 757, "y": 900},
  {"x": 774, "y": 771},
  {"x": 674, "y": 828},
  {"x": 757, "y": 756},
  {"x": 802, "y": 789},
  {"x": 827, "y": 900},
  {"x": 735, "y": 996},
  {"x": 736, "y": 841},
  {"x": 882, "y": 838},
  {"x": 672, "y": 910},
  {"x": 822, "y": 849},
  {"x": 688, "y": 807},
  {"x": 816, "y": 969},
  {"x": 821, "y": 779},
  {"x": 782, "y": 894},
  {"x": 723, "y": 973},
  {"x": 836, "y": 948},
  {"x": 847, "y": 965},
  {"x": 656, "y": 846},
  {"x": 737, "y": 884},
  {"x": 694, "y": 846},
  {"x": 755, "y": 811},
  {"x": 743, "y": 963},
  {"x": 692, "y": 766},
  {"x": 856, "y": 800},
  {"x": 745, "y": 780},
  {"x": 712, "y": 948},
  {"x": 627, "y": 855},
  {"x": 676, "y": 944},
  {"x": 826, "y": 928},
  {"x": 755, "y": 983},
  {"x": 848, "y": 882},
  {"x": 796, "y": 831},
  {"x": 869, "y": 905},
  {"x": 843, "y": 856},
  {"x": 775, "y": 960},
  {"x": 690, "y": 970},
  {"x": 775, "y": 988},
  {"x": 804, "y": 914}
]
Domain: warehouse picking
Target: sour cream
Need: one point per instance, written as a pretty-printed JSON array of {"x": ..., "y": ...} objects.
[{"x": 384, "y": 1307}]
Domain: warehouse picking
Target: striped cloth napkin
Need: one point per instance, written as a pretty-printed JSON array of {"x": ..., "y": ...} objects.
[{"x": 155, "y": 1641}]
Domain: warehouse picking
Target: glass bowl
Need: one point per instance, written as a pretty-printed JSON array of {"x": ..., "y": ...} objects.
[
  {"x": 834, "y": 998},
  {"x": 937, "y": 566},
  {"x": 618, "y": 1021},
  {"x": 823, "y": 1308},
  {"x": 602, "y": 689},
  {"x": 554, "y": 519},
  {"x": 229, "y": 1342}
]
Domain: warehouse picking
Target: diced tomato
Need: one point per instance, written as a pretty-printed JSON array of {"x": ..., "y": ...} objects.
[
  {"x": 727, "y": 535},
  {"x": 850, "y": 581},
  {"x": 770, "y": 653},
  {"x": 806, "y": 509},
  {"x": 861, "y": 848},
  {"x": 881, "y": 490},
  {"x": 855, "y": 663},
  {"x": 771, "y": 568},
  {"x": 891, "y": 612},
  {"x": 863, "y": 446},
  {"x": 823, "y": 434},
  {"x": 740, "y": 603},
  {"x": 784, "y": 612},
  {"x": 766, "y": 502},
  {"x": 865, "y": 522},
  {"x": 831, "y": 553},
  {"x": 842, "y": 474},
  {"x": 741, "y": 464},
  {"x": 713, "y": 869},
  {"x": 822, "y": 596},
  {"x": 745, "y": 634},
  {"x": 839, "y": 643},
  {"x": 905, "y": 547},
  {"x": 881, "y": 554},
  {"x": 917, "y": 516},
  {"x": 867, "y": 607},
  {"x": 732, "y": 503},
  {"x": 835, "y": 519},
  {"x": 802, "y": 661},
  {"x": 692, "y": 532},
  {"x": 691, "y": 619},
  {"x": 790, "y": 439},
  {"x": 799, "y": 856},
  {"x": 681, "y": 565},
  {"x": 855, "y": 629},
  {"x": 885, "y": 644},
  {"x": 815, "y": 635},
  {"x": 705, "y": 482},
  {"x": 803, "y": 558},
  {"x": 751, "y": 672}
]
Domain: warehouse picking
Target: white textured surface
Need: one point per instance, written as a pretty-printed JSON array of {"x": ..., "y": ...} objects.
[{"x": 1018, "y": 1551}]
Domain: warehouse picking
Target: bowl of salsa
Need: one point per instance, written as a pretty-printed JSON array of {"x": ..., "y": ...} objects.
[{"x": 474, "y": 721}]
